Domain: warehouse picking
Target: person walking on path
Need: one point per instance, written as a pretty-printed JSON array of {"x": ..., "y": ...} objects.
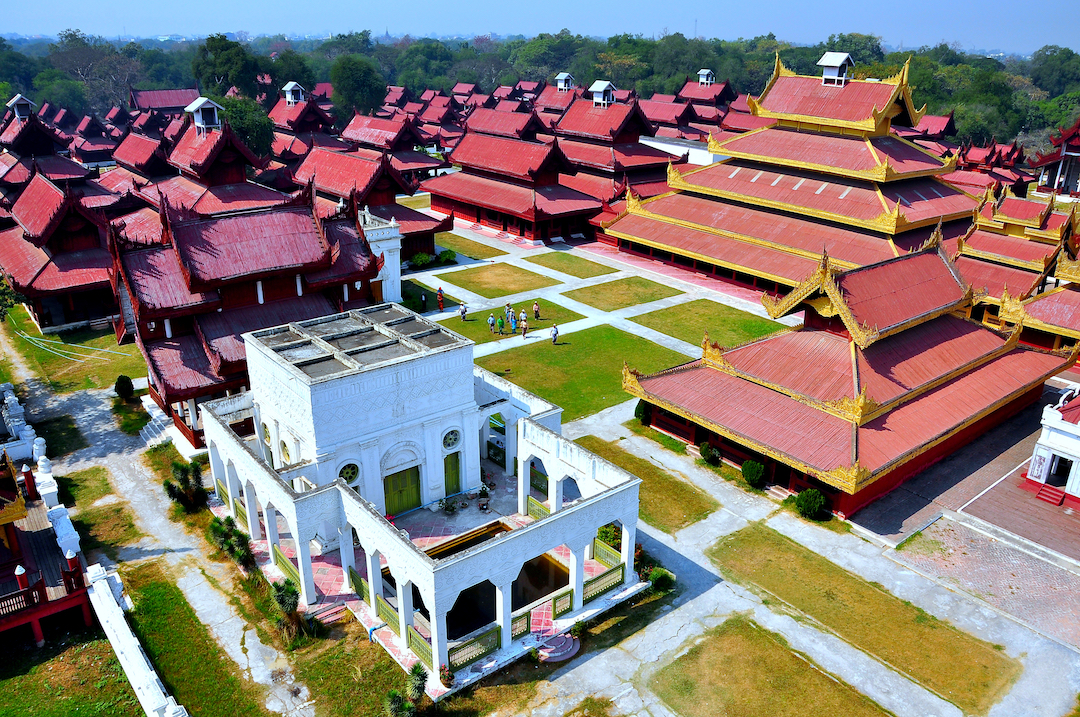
[
  {"x": 461, "y": 310},
  {"x": 554, "y": 333},
  {"x": 513, "y": 322},
  {"x": 501, "y": 323},
  {"x": 536, "y": 309},
  {"x": 439, "y": 298},
  {"x": 524, "y": 325},
  {"x": 524, "y": 318},
  {"x": 491, "y": 323},
  {"x": 508, "y": 311},
  {"x": 423, "y": 303}
]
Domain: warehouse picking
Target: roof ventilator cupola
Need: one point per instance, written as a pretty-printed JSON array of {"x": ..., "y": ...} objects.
[
  {"x": 294, "y": 93},
  {"x": 705, "y": 77},
  {"x": 564, "y": 81},
  {"x": 204, "y": 112},
  {"x": 603, "y": 93},
  {"x": 836, "y": 68},
  {"x": 22, "y": 107}
]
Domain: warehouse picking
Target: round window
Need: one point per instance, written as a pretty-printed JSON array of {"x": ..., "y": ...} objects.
[
  {"x": 285, "y": 459},
  {"x": 348, "y": 472},
  {"x": 451, "y": 440}
]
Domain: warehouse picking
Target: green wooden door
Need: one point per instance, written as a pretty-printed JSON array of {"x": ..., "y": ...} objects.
[
  {"x": 402, "y": 490},
  {"x": 452, "y": 473}
]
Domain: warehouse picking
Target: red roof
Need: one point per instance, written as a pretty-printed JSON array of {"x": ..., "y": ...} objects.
[
  {"x": 1008, "y": 247},
  {"x": 899, "y": 291},
  {"x": 245, "y": 246},
  {"x": 288, "y": 116},
  {"x": 554, "y": 100},
  {"x": 716, "y": 93},
  {"x": 994, "y": 278},
  {"x": 513, "y": 199},
  {"x": 39, "y": 208},
  {"x": 583, "y": 119},
  {"x": 286, "y": 144},
  {"x": 182, "y": 365},
  {"x": 138, "y": 151},
  {"x": 808, "y": 97},
  {"x": 668, "y": 113},
  {"x": 1057, "y": 308},
  {"x": 739, "y": 122},
  {"x": 15, "y": 171},
  {"x": 375, "y": 131},
  {"x": 221, "y": 331},
  {"x": 409, "y": 161},
  {"x": 339, "y": 173},
  {"x": 508, "y": 157},
  {"x": 464, "y": 88},
  {"x": 838, "y": 154},
  {"x": 157, "y": 283},
  {"x": 936, "y": 126},
  {"x": 179, "y": 191},
  {"x": 613, "y": 157},
  {"x": 353, "y": 260},
  {"x": 121, "y": 180},
  {"x": 509, "y": 106},
  {"x": 238, "y": 197},
  {"x": 33, "y": 271},
  {"x": 163, "y": 99},
  {"x": 323, "y": 89},
  {"x": 602, "y": 187},
  {"x": 197, "y": 149},
  {"x": 1070, "y": 412},
  {"x": 516, "y": 125},
  {"x": 411, "y": 221},
  {"x": 140, "y": 227}
]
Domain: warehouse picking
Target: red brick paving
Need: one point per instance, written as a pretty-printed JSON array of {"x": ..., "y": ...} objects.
[{"x": 1042, "y": 595}]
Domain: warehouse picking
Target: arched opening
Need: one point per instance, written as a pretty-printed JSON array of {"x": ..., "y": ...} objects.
[
  {"x": 538, "y": 478},
  {"x": 495, "y": 450},
  {"x": 473, "y": 609},
  {"x": 570, "y": 490},
  {"x": 539, "y": 578}
]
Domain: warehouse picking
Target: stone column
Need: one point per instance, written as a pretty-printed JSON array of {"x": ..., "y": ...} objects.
[
  {"x": 345, "y": 551},
  {"x": 470, "y": 453},
  {"x": 193, "y": 414},
  {"x": 511, "y": 442},
  {"x": 405, "y": 609},
  {"x": 629, "y": 536},
  {"x": 577, "y": 575},
  {"x": 523, "y": 487},
  {"x": 555, "y": 486},
  {"x": 217, "y": 469},
  {"x": 231, "y": 485},
  {"x": 440, "y": 650},
  {"x": 252, "y": 505},
  {"x": 504, "y": 610},
  {"x": 307, "y": 579},
  {"x": 374, "y": 578},
  {"x": 271, "y": 528}
]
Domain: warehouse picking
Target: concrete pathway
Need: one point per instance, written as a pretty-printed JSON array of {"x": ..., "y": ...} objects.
[
  {"x": 1048, "y": 685},
  {"x": 207, "y": 585}
]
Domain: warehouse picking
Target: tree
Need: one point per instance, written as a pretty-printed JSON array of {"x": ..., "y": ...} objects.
[
  {"x": 221, "y": 63},
  {"x": 105, "y": 73},
  {"x": 352, "y": 43},
  {"x": 357, "y": 85},
  {"x": 1056, "y": 69},
  {"x": 291, "y": 66},
  {"x": 56, "y": 88},
  {"x": 250, "y": 123},
  {"x": 862, "y": 48},
  {"x": 124, "y": 388},
  {"x": 8, "y": 298}
]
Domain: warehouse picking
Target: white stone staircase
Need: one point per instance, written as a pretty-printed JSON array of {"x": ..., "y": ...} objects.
[{"x": 154, "y": 432}]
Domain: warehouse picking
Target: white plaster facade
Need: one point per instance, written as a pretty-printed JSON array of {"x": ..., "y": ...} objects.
[
  {"x": 386, "y": 411},
  {"x": 1056, "y": 458},
  {"x": 384, "y": 238}
]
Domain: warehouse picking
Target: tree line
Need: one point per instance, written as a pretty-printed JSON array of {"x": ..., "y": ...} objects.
[{"x": 991, "y": 98}]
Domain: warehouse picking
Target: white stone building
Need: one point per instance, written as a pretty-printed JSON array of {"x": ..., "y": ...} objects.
[
  {"x": 1054, "y": 472},
  {"x": 358, "y": 421}
]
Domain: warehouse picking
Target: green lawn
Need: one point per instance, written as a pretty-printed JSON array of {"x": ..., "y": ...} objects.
[
  {"x": 742, "y": 670},
  {"x": 475, "y": 326},
  {"x": 570, "y": 264},
  {"x": 421, "y": 202},
  {"x": 621, "y": 293},
  {"x": 496, "y": 280},
  {"x": 130, "y": 415},
  {"x": 7, "y": 372},
  {"x": 411, "y": 289},
  {"x": 583, "y": 373},
  {"x": 74, "y": 674},
  {"x": 105, "y": 527},
  {"x": 61, "y": 436},
  {"x": 73, "y": 360},
  {"x": 467, "y": 247},
  {"x": 666, "y": 501},
  {"x": 970, "y": 673},
  {"x": 690, "y": 321},
  {"x": 191, "y": 664}
]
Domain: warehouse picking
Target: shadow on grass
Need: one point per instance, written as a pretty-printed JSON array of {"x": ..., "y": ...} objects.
[{"x": 61, "y": 436}]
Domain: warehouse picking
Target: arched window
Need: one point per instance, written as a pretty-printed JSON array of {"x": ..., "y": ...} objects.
[
  {"x": 285, "y": 458},
  {"x": 266, "y": 434}
]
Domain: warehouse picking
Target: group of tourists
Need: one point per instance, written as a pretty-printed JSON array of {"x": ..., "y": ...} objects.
[{"x": 512, "y": 319}]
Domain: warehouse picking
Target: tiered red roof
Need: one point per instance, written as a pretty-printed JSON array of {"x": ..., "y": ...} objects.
[
  {"x": 615, "y": 123},
  {"x": 515, "y": 125},
  {"x": 168, "y": 101}
]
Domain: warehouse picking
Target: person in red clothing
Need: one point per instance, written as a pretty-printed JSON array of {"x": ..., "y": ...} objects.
[{"x": 439, "y": 297}]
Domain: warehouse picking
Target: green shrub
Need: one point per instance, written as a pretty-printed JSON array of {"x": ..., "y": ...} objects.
[
  {"x": 754, "y": 474},
  {"x": 287, "y": 596},
  {"x": 447, "y": 256},
  {"x": 124, "y": 388},
  {"x": 810, "y": 503},
  {"x": 420, "y": 259},
  {"x": 662, "y": 580},
  {"x": 709, "y": 454},
  {"x": 577, "y": 629},
  {"x": 416, "y": 682},
  {"x": 186, "y": 486},
  {"x": 396, "y": 705},
  {"x": 232, "y": 541},
  {"x": 610, "y": 534},
  {"x": 641, "y": 410}
]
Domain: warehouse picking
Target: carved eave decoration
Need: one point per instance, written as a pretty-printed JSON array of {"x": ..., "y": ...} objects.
[
  {"x": 849, "y": 479},
  {"x": 857, "y": 409}
]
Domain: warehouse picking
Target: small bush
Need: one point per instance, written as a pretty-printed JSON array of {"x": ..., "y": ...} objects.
[
  {"x": 447, "y": 256},
  {"x": 709, "y": 454},
  {"x": 577, "y": 629},
  {"x": 396, "y": 705},
  {"x": 420, "y": 259},
  {"x": 662, "y": 580},
  {"x": 810, "y": 503},
  {"x": 534, "y": 657},
  {"x": 610, "y": 534},
  {"x": 124, "y": 388},
  {"x": 287, "y": 596},
  {"x": 416, "y": 682},
  {"x": 641, "y": 411},
  {"x": 186, "y": 486},
  {"x": 232, "y": 541},
  {"x": 754, "y": 474}
]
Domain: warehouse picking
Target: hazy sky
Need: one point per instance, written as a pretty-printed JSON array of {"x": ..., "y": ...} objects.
[{"x": 988, "y": 24}]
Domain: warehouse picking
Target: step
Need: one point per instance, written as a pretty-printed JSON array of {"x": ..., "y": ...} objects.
[
  {"x": 331, "y": 613},
  {"x": 1051, "y": 494},
  {"x": 559, "y": 648}
]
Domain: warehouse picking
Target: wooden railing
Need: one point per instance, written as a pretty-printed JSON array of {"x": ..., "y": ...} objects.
[
  {"x": 286, "y": 565},
  {"x": 359, "y": 585},
  {"x": 477, "y": 648},
  {"x": 22, "y": 599},
  {"x": 563, "y": 603},
  {"x": 387, "y": 613},
  {"x": 521, "y": 624},
  {"x": 604, "y": 553},
  {"x": 419, "y": 646},
  {"x": 537, "y": 509},
  {"x": 241, "y": 513},
  {"x": 600, "y": 584},
  {"x": 73, "y": 580},
  {"x": 223, "y": 492}
]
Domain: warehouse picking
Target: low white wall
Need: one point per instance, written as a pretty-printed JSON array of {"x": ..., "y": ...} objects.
[{"x": 105, "y": 596}]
